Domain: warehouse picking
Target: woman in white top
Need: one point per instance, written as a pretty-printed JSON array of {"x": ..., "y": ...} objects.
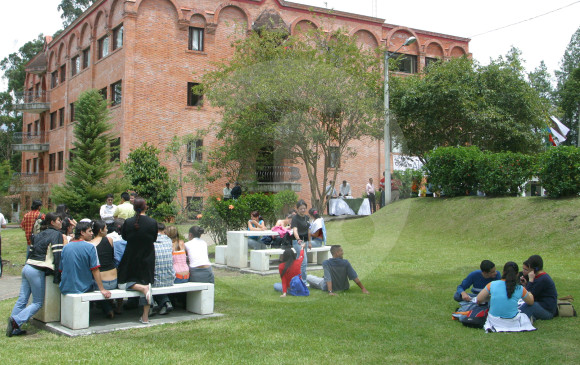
[
  {"x": 317, "y": 229},
  {"x": 199, "y": 266}
]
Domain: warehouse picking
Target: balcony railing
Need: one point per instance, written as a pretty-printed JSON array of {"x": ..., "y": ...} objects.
[
  {"x": 38, "y": 70},
  {"x": 278, "y": 174},
  {"x": 29, "y": 181},
  {"x": 29, "y": 142},
  {"x": 32, "y": 101}
]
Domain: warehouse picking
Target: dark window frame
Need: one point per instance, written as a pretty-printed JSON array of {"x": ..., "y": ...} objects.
[
  {"x": 333, "y": 161},
  {"x": 193, "y": 99},
  {"x": 72, "y": 112},
  {"x": 196, "y": 44},
  {"x": 53, "y": 120},
  {"x": 118, "y": 30},
  {"x": 54, "y": 79},
  {"x": 62, "y": 73},
  {"x": 52, "y": 162},
  {"x": 115, "y": 149},
  {"x": 75, "y": 65},
  {"x": 195, "y": 152},
  {"x": 61, "y": 117},
  {"x": 60, "y": 161},
  {"x": 103, "y": 47},
  {"x": 86, "y": 58},
  {"x": 117, "y": 93},
  {"x": 407, "y": 62}
]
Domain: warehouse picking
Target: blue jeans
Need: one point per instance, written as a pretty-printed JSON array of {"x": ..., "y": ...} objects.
[
  {"x": 32, "y": 283},
  {"x": 537, "y": 311},
  {"x": 297, "y": 248},
  {"x": 109, "y": 285},
  {"x": 278, "y": 287},
  {"x": 180, "y": 281},
  {"x": 317, "y": 242}
]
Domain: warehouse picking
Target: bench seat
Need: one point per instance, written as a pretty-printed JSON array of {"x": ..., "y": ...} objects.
[
  {"x": 75, "y": 307},
  {"x": 260, "y": 259}
]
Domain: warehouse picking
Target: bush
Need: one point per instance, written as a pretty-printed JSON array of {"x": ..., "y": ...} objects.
[
  {"x": 453, "y": 169},
  {"x": 284, "y": 202},
  {"x": 501, "y": 174},
  {"x": 407, "y": 177},
  {"x": 559, "y": 171}
]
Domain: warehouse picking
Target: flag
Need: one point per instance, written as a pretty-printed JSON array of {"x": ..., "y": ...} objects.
[{"x": 559, "y": 130}]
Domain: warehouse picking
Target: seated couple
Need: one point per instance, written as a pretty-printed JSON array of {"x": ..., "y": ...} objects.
[{"x": 337, "y": 272}]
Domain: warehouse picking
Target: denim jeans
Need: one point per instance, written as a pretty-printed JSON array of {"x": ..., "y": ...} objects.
[
  {"x": 106, "y": 305},
  {"x": 32, "y": 283},
  {"x": 316, "y": 282},
  {"x": 537, "y": 311},
  {"x": 278, "y": 287},
  {"x": 317, "y": 242},
  {"x": 297, "y": 248}
]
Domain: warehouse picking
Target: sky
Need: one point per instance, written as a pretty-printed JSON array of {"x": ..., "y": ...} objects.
[{"x": 543, "y": 38}]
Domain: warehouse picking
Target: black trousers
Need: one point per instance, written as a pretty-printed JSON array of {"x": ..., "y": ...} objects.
[{"x": 372, "y": 202}]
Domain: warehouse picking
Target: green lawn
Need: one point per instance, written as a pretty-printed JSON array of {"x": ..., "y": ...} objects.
[{"x": 410, "y": 256}]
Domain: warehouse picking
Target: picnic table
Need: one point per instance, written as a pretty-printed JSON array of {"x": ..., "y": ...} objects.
[
  {"x": 237, "y": 249},
  {"x": 342, "y": 206}
]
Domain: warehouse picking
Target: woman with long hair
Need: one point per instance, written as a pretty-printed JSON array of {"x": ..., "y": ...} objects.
[
  {"x": 503, "y": 296},
  {"x": 289, "y": 267},
  {"x": 43, "y": 260},
  {"x": 137, "y": 267},
  {"x": 300, "y": 227},
  {"x": 68, "y": 223},
  {"x": 179, "y": 256},
  {"x": 106, "y": 254},
  {"x": 256, "y": 223}
]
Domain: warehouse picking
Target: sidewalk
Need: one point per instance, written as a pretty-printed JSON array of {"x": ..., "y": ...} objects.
[{"x": 9, "y": 287}]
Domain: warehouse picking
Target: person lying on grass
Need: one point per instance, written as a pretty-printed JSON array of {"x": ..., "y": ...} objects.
[
  {"x": 337, "y": 273},
  {"x": 477, "y": 280}
]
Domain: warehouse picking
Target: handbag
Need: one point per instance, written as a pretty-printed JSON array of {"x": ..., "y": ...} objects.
[
  {"x": 565, "y": 307},
  {"x": 298, "y": 288}
]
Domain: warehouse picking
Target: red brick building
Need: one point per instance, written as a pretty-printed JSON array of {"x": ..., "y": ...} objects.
[{"x": 145, "y": 54}]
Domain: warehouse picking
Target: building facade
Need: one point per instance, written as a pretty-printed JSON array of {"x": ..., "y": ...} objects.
[{"x": 145, "y": 55}]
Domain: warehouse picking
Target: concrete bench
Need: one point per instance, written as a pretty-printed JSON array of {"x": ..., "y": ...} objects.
[
  {"x": 50, "y": 310},
  {"x": 237, "y": 249},
  {"x": 74, "y": 312},
  {"x": 260, "y": 259},
  {"x": 220, "y": 254}
]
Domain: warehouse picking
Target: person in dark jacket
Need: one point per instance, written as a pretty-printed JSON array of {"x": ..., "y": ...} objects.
[
  {"x": 236, "y": 191},
  {"x": 39, "y": 264},
  {"x": 541, "y": 285}
]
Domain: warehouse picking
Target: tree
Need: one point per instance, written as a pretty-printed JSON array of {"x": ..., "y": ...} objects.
[
  {"x": 568, "y": 91},
  {"x": 72, "y": 9},
  {"x": 541, "y": 80},
  {"x": 460, "y": 103},
  {"x": 184, "y": 150},
  {"x": 151, "y": 181},
  {"x": 297, "y": 98},
  {"x": 87, "y": 175},
  {"x": 570, "y": 59}
]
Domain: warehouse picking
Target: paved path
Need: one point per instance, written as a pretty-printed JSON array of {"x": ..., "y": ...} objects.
[{"x": 9, "y": 287}]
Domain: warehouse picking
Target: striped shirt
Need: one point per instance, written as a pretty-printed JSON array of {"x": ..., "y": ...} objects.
[{"x": 164, "y": 274}]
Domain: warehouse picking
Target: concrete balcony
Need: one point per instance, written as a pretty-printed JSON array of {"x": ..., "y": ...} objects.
[
  {"x": 274, "y": 179},
  {"x": 33, "y": 182},
  {"x": 32, "y": 102},
  {"x": 29, "y": 142}
]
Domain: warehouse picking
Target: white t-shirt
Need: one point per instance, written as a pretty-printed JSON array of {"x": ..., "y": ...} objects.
[
  {"x": 2, "y": 221},
  {"x": 197, "y": 253}
]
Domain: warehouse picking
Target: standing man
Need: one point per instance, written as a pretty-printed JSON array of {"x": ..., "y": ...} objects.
[
  {"x": 107, "y": 211},
  {"x": 227, "y": 192},
  {"x": 28, "y": 221},
  {"x": 2, "y": 225},
  {"x": 236, "y": 191},
  {"x": 330, "y": 192},
  {"x": 345, "y": 189},
  {"x": 337, "y": 273},
  {"x": 79, "y": 264},
  {"x": 395, "y": 186},
  {"x": 370, "y": 190},
  {"x": 382, "y": 190},
  {"x": 125, "y": 209}
]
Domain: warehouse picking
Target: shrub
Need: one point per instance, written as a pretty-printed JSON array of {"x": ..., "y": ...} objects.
[
  {"x": 501, "y": 174},
  {"x": 559, "y": 171},
  {"x": 453, "y": 169},
  {"x": 407, "y": 177},
  {"x": 283, "y": 202}
]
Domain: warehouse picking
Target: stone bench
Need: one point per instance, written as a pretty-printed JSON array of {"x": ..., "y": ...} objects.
[
  {"x": 260, "y": 259},
  {"x": 74, "y": 312},
  {"x": 237, "y": 249},
  {"x": 220, "y": 254}
]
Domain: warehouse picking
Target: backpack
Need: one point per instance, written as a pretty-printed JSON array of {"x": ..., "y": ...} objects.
[
  {"x": 473, "y": 315},
  {"x": 37, "y": 223},
  {"x": 298, "y": 288}
]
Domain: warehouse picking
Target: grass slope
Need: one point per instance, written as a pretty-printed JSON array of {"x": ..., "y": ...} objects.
[{"x": 410, "y": 255}]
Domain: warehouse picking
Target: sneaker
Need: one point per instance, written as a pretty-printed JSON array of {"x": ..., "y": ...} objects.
[
  {"x": 169, "y": 307},
  {"x": 11, "y": 327},
  {"x": 163, "y": 310}
]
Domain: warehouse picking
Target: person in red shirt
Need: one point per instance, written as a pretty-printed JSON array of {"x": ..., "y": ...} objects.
[
  {"x": 289, "y": 268},
  {"x": 29, "y": 219}
]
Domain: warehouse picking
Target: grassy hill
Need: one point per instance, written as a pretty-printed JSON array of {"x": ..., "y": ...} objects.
[{"x": 410, "y": 255}]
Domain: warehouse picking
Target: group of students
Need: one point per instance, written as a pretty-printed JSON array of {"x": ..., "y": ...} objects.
[
  {"x": 137, "y": 253},
  {"x": 515, "y": 298}
]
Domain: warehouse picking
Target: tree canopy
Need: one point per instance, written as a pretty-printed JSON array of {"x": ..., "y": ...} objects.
[
  {"x": 301, "y": 98},
  {"x": 568, "y": 92},
  {"x": 459, "y": 103},
  {"x": 72, "y": 9}
]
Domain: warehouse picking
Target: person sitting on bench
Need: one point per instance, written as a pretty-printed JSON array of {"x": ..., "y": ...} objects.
[
  {"x": 337, "y": 273},
  {"x": 477, "y": 279}
]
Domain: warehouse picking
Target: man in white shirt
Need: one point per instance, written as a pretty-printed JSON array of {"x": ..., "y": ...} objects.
[
  {"x": 2, "y": 225},
  {"x": 227, "y": 192},
  {"x": 330, "y": 193},
  {"x": 107, "y": 211},
  {"x": 370, "y": 190},
  {"x": 345, "y": 189}
]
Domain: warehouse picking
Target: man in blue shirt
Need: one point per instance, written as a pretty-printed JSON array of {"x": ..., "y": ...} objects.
[
  {"x": 477, "y": 280},
  {"x": 79, "y": 264}
]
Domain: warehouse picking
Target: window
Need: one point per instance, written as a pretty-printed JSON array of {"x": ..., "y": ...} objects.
[
  {"x": 116, "y": 93},
  {"x": 61, "y": 117},
  {"x": 430, "y": 61},
  {"x": 195, "y": 39},
  {"x": 28, "y": 166},
  {"x": 75, "y": 65},
  {"x": 52, "y": 162},
  {"x": 333, "y": 158},
  {"x": 53, "y": 120},
  {"x": 407, "y": 63},
  {"x": 118, "y": 37},
  {"x": 103, "y": 44},
  {"x": 194, "y": 151},
  {"x": 37, "y": 127},
  {"x": 29, "y": 129},
  {"x": 62, "y": 73},
  {"x": 103, "y": 92},
  {"x": 60, "y": 160},
  {"x": 72, "y": 112},
  {"x": 86, "y": 57},
  {"x": 193, "y": 99},
  {"x": 54, "y": 79},
  {"x": 35, "y": 165},
  {"x": 194, "y": 204},
  {"x": 116, "y": 150},
  {"x": 71, "y": 154}
]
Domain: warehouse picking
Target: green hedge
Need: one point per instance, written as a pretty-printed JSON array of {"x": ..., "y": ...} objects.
[
  {"x": 502, "y": 174},
  {"x": 453, "y": 169},
  {"x": 559, "y": 171}
]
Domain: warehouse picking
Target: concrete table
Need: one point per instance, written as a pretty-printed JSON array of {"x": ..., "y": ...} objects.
[{"x": 237, "y": 251}]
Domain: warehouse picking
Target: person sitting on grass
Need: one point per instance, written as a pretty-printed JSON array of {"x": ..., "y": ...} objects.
[
  {"x": 503, "y": 296},
  {"x": 79, "y": 264},
  {"x": 477, "y": 280},
  {"x": 541, "y": 285},
  {"x": 289, "y": 267},
  {"x": 337, "y": 273}
]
